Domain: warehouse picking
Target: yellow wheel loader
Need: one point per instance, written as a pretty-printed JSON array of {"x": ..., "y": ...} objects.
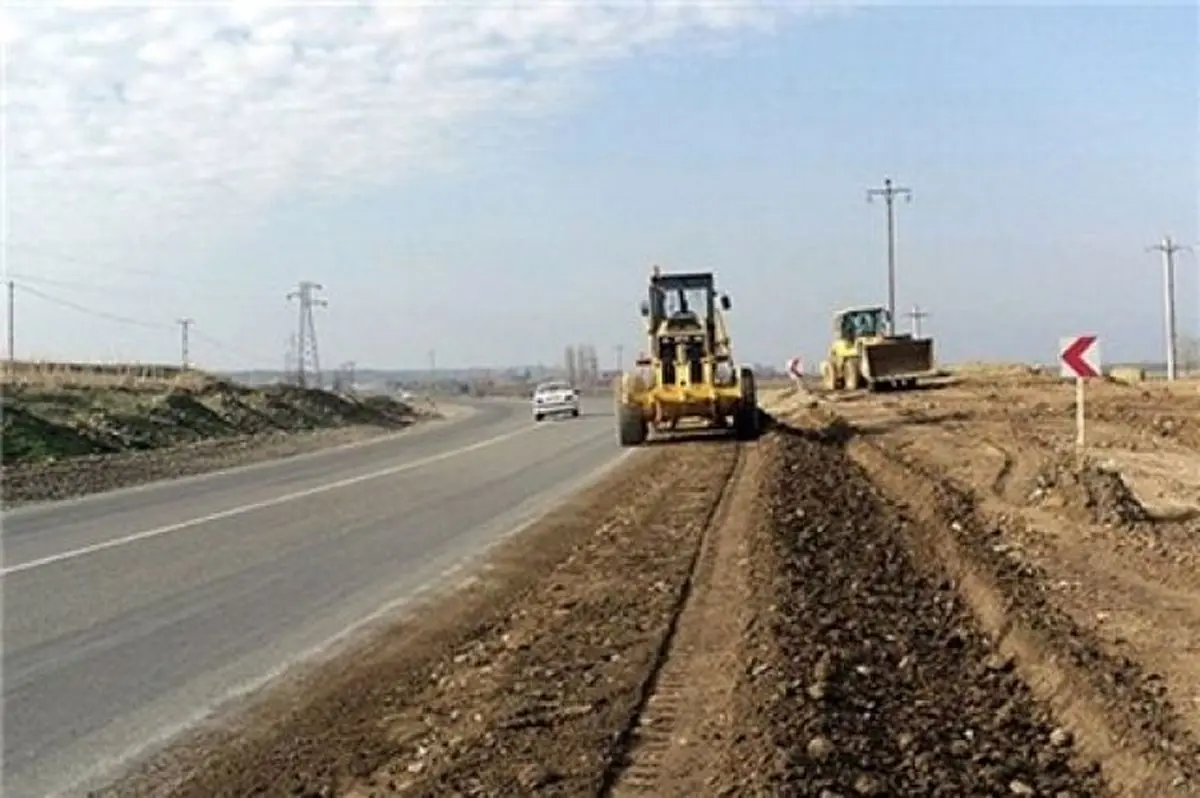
[
  {"x": 864, "y": 354},
  {"x": 689, "y": 374}
]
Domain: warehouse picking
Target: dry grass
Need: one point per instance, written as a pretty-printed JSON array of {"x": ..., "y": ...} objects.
[{"x": 52, "y": 376}]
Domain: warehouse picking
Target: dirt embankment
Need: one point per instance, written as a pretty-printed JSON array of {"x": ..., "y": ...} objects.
[
  {"x": 1084, "y": 562},
  {"x": 712, "y": 619},
  {"x": 69, "y": 440},
  {"x": 884, "y": 681}
]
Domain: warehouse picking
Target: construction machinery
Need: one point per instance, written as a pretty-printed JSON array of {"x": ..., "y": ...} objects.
[
  {"x": 689, "y": 377},
  {"x": 864, "y": 353}
]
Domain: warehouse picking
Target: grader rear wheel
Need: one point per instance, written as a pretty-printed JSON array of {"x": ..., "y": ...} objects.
[
  {"x": 631, "y": 425},
  {"x": 746, "y": 421}
]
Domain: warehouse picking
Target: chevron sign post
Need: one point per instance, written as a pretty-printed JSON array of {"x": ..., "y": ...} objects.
[{"x": 1079, "y": 357}]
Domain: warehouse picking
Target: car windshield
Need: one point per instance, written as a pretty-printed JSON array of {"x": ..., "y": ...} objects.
[{"x": 551, "y": 387}]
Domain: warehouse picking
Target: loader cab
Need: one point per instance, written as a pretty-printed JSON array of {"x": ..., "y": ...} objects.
[{"x": 854, "y": 323}]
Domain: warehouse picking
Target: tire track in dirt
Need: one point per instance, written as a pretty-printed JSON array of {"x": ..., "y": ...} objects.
[
  {"x": 641, "y": 581},
  {"x": 1004, "y": 475},
  {"x": 676, "y": 743},
  {"x": 641, "y": 575}
]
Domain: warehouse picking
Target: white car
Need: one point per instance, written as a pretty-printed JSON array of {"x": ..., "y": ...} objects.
[{"x": 555, "y": 398}]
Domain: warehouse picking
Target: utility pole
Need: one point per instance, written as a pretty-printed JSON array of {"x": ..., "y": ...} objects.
[
  {"x": 916, "y": 314},
  {"x": 306, "y": 335},
  {"x": 620, "y": 358},
  {"x": 569, "y": 361},
  {"x": 889, "y": 192},
  {"x": 588, "y": 365},
  {"x": 1168, "y": 248},
  {"x": 12, "y": 354},
  {"x": 183, "y": 340}
]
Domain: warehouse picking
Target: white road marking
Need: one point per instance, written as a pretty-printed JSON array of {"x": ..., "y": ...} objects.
[{"x": 249, "y": 508}]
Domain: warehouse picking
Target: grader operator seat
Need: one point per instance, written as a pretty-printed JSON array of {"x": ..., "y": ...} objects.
[{"x": 673, "y": 323}]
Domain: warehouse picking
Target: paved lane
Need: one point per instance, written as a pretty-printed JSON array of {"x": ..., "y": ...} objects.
[{"x": 130, "y": 614}]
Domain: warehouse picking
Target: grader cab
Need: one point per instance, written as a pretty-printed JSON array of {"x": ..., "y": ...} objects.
[{"x": 688, "y": 377}]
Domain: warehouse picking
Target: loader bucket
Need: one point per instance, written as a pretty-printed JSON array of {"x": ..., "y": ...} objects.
[{"x": 898, "y": 358}]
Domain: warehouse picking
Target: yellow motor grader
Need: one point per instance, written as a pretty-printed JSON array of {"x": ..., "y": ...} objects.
[
  {"x": 864, "y": 353},
  {"x": 689, "y": 374}
]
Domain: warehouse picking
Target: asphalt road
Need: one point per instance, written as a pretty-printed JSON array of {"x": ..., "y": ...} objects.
[{"x": 129, "y": 615}]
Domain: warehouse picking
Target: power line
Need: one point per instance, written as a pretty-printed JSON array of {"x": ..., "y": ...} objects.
[
  {"x": 889, "y": 193},
  {"x": 188, "y": 281},
  {"x": 74, "y": 284},
  {"x": 124, "y": 289},
  {"x": 66, "y": 258},
  {"x": 188, "y": 332},
  {"x": 224, "y": 345},
  {"x": 101, "y": 314}
]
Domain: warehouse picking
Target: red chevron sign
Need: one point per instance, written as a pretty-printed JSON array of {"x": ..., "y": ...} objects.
[{"x": 1079, "y": 357}]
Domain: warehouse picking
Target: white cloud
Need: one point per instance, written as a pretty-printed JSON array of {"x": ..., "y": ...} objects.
[{"x": 149, "y": 121}]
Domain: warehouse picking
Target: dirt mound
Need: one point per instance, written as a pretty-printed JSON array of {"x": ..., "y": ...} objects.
[
  {"x": 1180, "y": 426},
  {"x": 889, "y": 687},
  {"x": 51, "y": 425},
  {"x": 1102, "y": 617},
  {"x": 1108, "y": 498},
  {"x": 71, "y": 441},
  {"x": 1089, "y": 491},
  {"x": 28, "y": 436}
]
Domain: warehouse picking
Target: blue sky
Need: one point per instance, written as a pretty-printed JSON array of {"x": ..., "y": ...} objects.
[{"x": 1046, "y": 149}]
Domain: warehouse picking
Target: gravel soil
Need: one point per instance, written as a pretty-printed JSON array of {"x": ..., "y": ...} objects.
[
  {"x": 1081, "y": 564},
  {"x": 885, "y": 684}
]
